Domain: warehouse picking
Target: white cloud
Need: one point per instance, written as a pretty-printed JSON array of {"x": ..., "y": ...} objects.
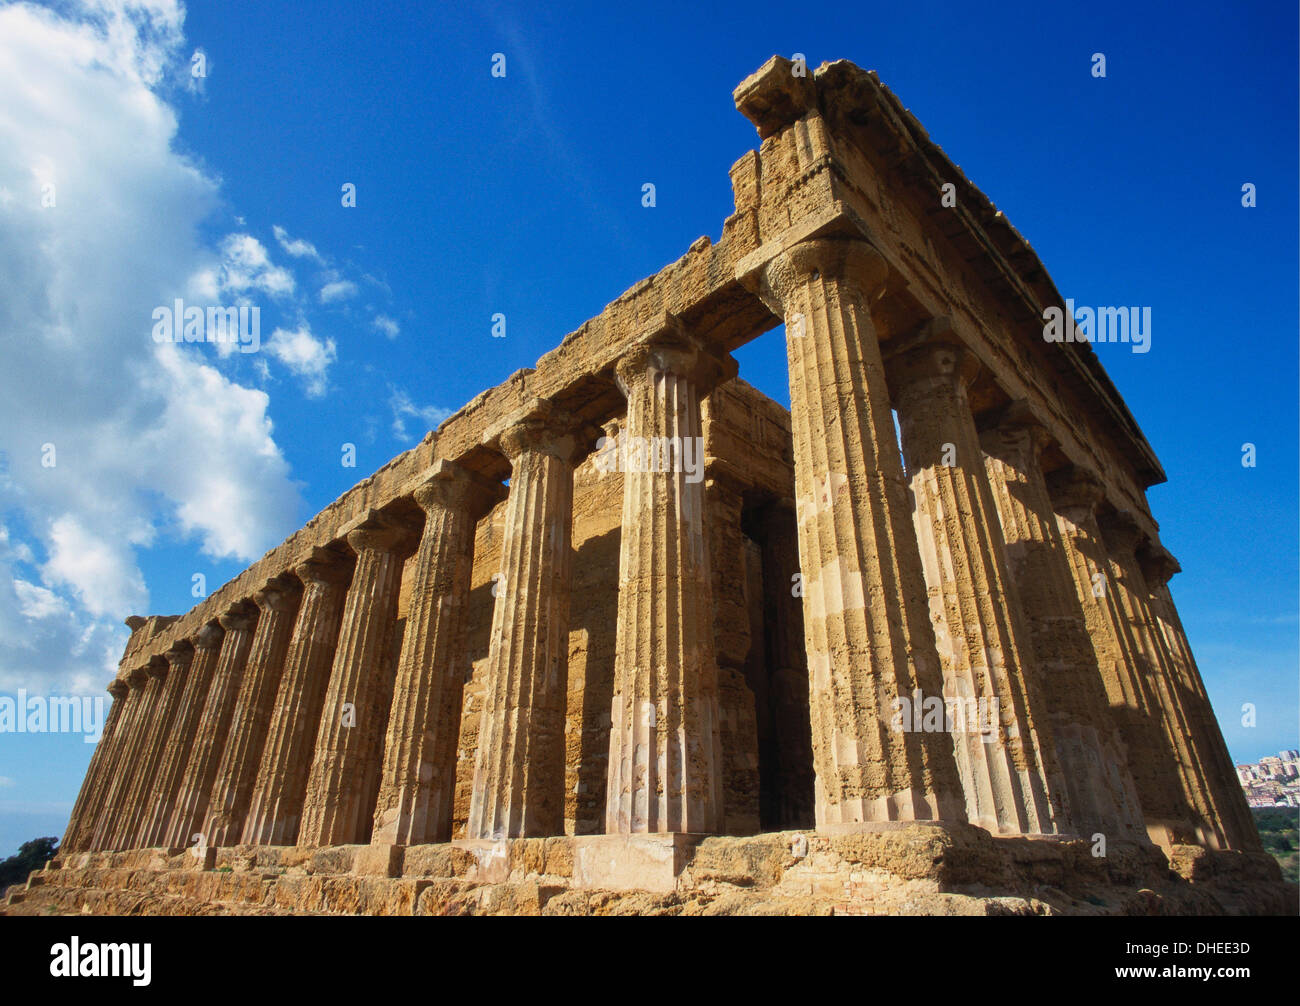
[
  {"x": 428, "y": 416},
  {"x": 386, "y": 325},
  {"x": 296, "y": 247},
  {"x": 337, "y": 290},
  {"x": 306, "y": 356},
  {"x": 148, "y": 438},
  {"x": 247, "y": 267}
]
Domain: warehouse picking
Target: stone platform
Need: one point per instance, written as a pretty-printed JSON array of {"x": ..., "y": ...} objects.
[{"x": 918, "y": 870}]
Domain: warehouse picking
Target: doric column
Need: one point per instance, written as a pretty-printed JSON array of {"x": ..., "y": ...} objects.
[
  {"x": 129, "y": 835},
  {"x": 355, "y": 713},
  {"x": 519, "y": 769},
  {"x": 1100, "y": 790},
  {"x": 213, "y": 728},
  {"x": 787, "y": 666},
  {"x": 1133, "y": 703},
  {"x": 1000, "y": 731},
  {"x": 419, "y": 774},
  {"x": 232, "y": 788},
  {"x": 866, "y": 625},
  {"x": 665, "y": 751},
  {"x": 142, "y": 701},
  {"x": 1122, "y": 536},
  {"x": 194, "y": 663},
  {"x": 85, "y": 812},
  {"x": 1225, "y": 791},
  {"x": 275, "y": 809}
]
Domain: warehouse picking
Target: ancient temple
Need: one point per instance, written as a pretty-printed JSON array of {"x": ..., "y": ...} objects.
[{"x": 622, "y": 609}]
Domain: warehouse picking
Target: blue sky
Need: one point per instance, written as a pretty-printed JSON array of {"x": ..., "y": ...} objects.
[{"x": 522, "y": 195}]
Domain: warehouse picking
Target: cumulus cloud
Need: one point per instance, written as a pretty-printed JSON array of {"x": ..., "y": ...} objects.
[
  {"x": 112, "y": 439},
  {"x": 304, "y": 355}
]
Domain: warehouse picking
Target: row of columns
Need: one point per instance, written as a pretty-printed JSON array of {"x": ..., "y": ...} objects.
[{"x": 956, "y": 572}]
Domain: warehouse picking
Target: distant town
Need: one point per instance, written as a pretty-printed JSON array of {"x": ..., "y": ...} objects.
[{"x": 1273, "y": 781}]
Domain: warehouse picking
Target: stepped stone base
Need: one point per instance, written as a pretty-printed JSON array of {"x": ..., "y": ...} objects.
[{"x": 918, "y": 870}]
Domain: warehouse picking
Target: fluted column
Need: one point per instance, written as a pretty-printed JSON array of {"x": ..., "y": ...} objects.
[
  {"x": 665, "y": 750},
  {"x": 129, "y": 835},
  {"x": 1230, "y": 800},
  {"x": 1133, "y": 702},
  {"x": 1101, "y": 793},
  {"x": 85, "y": 812},
  {"x": 275, "y": 809},
  {"x": 519, "y": 768},
  {"x": 213, "y": 728},
  {"x": 232, "y": 789},
  {"x": 1000, "y": 733},
  {"x": 419, "y": 774},
  {"x": 866, "y": 625},
  {"x": 354, "y": 717},
  {"x": 143, "y": 701},
  {"x": 1122, "y": 537}
]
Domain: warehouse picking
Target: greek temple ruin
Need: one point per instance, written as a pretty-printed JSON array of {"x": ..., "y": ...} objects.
[{"x": 514, "y": 656}]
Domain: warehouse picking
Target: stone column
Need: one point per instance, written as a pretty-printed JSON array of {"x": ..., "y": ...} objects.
[
  {"x": 232, "y": 790},
  {"x": 519, "y": 769},
  {"x": 195, "y": 663},
  {"x": 1001, "y": 735},
  {"x": 355, "y": 713},
  {"x": 85, "y": 812},
  {"x": 213, "y": 729},
  {"x": 867, "y": 629},
  {"x": 169, "y": 689},
  {"x": 665, "y": 750},
  {"x": 1224, "y": 788},
  {"x": 1122, "y": 536},
  {"x": 783, "y": 618},
  {"x": 140, "y": 711},
  {"x": 737, "y": 701},
  {"x": 419, "y": 773},
  {"x": 276, "y": 804},
  {"x": 1133, "y": 704},
  {"x": 1099, "y": 787}
]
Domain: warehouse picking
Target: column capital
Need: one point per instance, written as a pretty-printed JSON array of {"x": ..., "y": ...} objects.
[
  {"x": 179, "y": 655},
  {"x": 1121, "y": 531},
  {"x": 380, "y": 532},
  {"x": 239, "y": 617},
  {"x": 158, "y": 667},
  {"x": 669, "y": 348},
  {"x": 324, "y": 566},
  {"x": 1075, "y": 488},
  {"x": 209, "y": 637},
  {"x": 279, "y": 593},
  {"x": 852, "y": 261},
  {"x": 540, "y": 427},
  {"x": 137, "y": 677},
  {"x": 1158, "y": 564},
  {"x": 118, "y": 688},
  {"x": 938, "y": 360},
  {"x": 1014, "y": 428},
  {"x": 447, "y": 485}
]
